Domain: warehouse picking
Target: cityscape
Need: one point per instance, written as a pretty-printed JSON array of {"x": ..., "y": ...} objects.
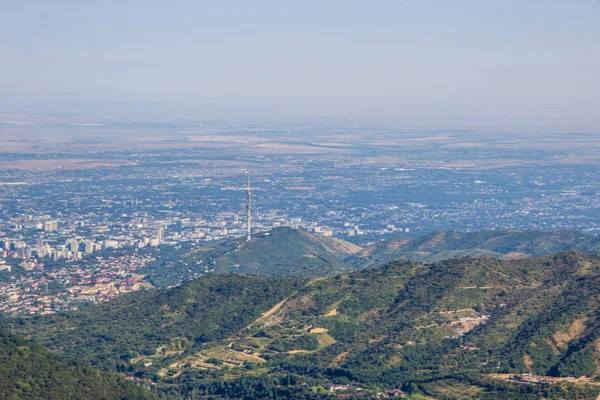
[
  {"x": 308, "y": 200},
  {"x": 76, "y": 232}
]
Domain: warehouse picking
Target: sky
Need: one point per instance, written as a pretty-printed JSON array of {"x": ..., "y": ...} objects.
[{"x": 486, "y": 58}]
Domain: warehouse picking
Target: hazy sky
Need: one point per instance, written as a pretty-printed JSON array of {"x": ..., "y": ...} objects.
[{"x": 511, "y": 55}]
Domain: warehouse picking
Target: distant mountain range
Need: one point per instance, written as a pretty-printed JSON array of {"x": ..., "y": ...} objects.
[
  {"x": 293, "y": 252},
  {"x": 455, "y": 329},
  {"x": 503, "y": 244}
]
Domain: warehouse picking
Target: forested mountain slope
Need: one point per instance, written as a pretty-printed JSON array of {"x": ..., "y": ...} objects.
[
  {"x": 28, "y": 371},
  {"x": 433, "y": 328},
  {"x": 504, "y": 244},
  {"x": 282, "y": 251},
  {"x": 202, "y": 311}
]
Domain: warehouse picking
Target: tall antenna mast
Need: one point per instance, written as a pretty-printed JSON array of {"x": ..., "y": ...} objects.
[{"x": 249, "y": 237}]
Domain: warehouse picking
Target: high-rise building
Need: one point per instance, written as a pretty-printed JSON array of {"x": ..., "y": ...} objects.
[
  {"x": 72, "y": 244},
  {"x": 44, "y": 250},
  {"x": 160, "y": 233},
  {"x": 89, "y": 247},
  {"x": 51, "y": 226}
]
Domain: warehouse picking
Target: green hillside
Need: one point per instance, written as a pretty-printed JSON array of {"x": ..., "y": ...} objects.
[
  {"x": 28, "y": 371},
  {"x": 163, "y": 322},
  {"x": 287, "y": 252},
  {"x": 293, "y": 252},
  {"x": 282, "y": 251},
  {"x": 506, "y": 244},
  {"x": 453, "y": 329}
]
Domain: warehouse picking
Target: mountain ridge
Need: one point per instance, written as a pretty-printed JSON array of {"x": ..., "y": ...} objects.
[
  {"x": 286, "y": 251},
  {"x": 507, "y": 244}
]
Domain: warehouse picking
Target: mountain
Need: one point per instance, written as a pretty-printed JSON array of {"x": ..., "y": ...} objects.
[
  {"x": 28, "y": 371},
  {"x": 293, "y": 252},
  {"x": 505, "y": 244},
  {"x": 455, "y": 329},
  {"x": 283, "y": 251}
]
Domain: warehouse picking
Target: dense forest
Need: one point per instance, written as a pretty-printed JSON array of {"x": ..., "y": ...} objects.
[{"x": 28, "y": 371}]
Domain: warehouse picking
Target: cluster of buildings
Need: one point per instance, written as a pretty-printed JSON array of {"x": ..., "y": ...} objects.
[
  {"x": 34, "y": 241},
  {"x": 349, "y": 391},
  {"x": 539, "y": 380},
  {"x": 43, "y": 290},
  {"x": 349, "y": 230}
]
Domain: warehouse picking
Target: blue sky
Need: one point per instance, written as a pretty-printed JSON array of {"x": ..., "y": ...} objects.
[{"x": 510, "y": 55}]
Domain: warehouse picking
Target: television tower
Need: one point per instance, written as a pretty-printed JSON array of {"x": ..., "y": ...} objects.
[{"x": 249, "y": 237}]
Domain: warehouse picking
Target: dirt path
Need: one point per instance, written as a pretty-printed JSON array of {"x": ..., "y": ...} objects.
[
  {"x": 278, "y": 306},
  {"x": 268, "y": 313}
]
